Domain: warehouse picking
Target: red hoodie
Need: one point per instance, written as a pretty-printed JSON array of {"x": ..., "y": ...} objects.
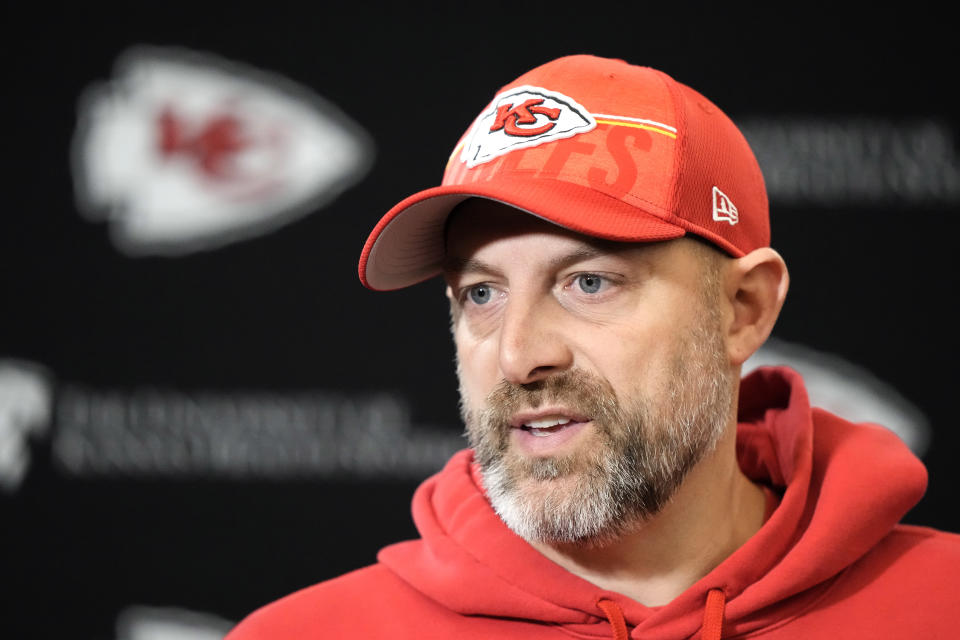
[{"x": 830, "y": 562}]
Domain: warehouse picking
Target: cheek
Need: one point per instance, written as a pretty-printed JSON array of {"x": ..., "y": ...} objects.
[
  {"x": 477, "y": 368},
  {"x": 635, "y": 360}
]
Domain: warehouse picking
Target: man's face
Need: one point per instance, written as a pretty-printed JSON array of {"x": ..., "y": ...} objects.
[{"x": 593, "y": 374}]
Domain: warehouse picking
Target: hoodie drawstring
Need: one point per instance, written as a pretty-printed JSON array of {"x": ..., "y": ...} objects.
[
  {"x": 713, "y": 615},
  {"x": 612, "y": 610}
]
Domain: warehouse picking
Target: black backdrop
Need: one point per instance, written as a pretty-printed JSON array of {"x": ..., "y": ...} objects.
[{"x": 284, "y": 314}]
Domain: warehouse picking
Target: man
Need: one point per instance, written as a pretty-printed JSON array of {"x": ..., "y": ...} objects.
[{"x": 603, "y": 233}]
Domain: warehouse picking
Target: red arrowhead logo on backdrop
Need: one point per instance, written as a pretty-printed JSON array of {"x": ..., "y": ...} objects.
[
  {"x": 182, "y": 151},
  {"x": 523, "y": 117}
]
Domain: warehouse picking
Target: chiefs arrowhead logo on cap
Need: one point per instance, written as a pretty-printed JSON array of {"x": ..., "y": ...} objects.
[{"x": 522, "y": 117}]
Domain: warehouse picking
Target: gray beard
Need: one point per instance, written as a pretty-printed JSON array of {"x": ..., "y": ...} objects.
[{"x": 638, "y": 456}]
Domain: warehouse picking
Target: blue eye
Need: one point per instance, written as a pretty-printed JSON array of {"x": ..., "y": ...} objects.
[
  {"x": 590, "y": 283},
  {"x": 479, "y": 294}
]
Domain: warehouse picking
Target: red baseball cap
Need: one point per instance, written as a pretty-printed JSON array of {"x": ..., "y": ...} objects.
[{"x": 597, "y": 146}]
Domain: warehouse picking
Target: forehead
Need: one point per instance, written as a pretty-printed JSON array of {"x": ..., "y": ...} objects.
[
  {"x": 479, "y": 230},
  {"x": 479, "y": 222}
]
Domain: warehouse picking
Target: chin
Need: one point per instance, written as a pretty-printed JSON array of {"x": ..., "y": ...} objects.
[{"x": 558, "y": 504}]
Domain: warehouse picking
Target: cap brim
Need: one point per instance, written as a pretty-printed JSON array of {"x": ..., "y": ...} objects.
[{"x": 407, "y": 245}]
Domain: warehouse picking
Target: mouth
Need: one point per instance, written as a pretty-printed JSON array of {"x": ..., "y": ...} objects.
[
  {"x": 546, "y": 433},
  {"x": 544, "y": 427}
]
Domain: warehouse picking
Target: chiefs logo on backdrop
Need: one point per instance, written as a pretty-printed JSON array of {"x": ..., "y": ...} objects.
[
  {"x": 183, "y": 151},
  {"x": 523, "y": 117}
]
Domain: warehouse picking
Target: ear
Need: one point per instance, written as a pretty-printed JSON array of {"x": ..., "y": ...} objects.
[{"x": 756, "y": 286}]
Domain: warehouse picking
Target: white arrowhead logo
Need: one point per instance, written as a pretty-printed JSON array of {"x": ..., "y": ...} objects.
[
  {"x": 183, "y": 151},
  {"x": 523, "y": 117}
]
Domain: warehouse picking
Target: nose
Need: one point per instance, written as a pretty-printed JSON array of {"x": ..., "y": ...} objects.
[{"x": 532, "y": 343}]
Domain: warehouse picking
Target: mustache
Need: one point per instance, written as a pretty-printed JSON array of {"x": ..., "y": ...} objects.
[{"x": 575, "y": 389}]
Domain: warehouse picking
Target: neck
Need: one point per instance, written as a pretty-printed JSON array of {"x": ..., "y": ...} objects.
[{"x": 714, "y": 511}]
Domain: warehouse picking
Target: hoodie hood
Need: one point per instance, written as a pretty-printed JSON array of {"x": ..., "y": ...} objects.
[{"x": 843, "y": 486}]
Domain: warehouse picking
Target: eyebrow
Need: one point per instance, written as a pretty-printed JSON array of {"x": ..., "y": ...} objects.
[{"x": 457, "y": 265}]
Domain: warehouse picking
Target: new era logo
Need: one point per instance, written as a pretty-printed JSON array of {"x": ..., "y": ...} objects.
[
  {"x": 723, "y": 208},
  {"x": 523, "y": 117}
]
